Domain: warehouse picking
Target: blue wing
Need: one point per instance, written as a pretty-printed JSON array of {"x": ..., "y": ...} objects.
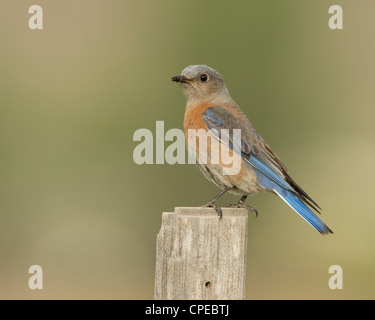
[{"x": 271, "y": 172}]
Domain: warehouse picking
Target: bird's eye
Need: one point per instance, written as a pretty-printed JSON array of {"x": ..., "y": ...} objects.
[{"x": 204, "y": 77}]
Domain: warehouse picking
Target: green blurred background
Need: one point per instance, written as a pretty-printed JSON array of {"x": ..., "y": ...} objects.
[{"x": 73, "y": 201}]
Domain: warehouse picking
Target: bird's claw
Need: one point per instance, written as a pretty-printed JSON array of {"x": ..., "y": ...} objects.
[
  {"x": 215, "y": 207},
  {"x": 242, "y": 205}
]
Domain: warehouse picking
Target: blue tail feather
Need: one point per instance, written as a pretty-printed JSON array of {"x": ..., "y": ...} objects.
[
  {"x": 270, "y": 180},
  {"x": 298, "y": 206}
]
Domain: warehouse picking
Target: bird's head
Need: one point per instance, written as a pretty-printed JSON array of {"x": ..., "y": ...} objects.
[{"x": 201, "y": 83}]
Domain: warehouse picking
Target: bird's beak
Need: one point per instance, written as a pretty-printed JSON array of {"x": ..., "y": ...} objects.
[{"x": 181, "y": 78}]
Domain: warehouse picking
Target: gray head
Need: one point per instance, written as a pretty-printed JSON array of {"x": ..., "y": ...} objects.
[{"x": 202, "y": 83}]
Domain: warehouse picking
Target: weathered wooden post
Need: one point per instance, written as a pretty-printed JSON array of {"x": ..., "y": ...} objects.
[{"x": 199, "y": 256}]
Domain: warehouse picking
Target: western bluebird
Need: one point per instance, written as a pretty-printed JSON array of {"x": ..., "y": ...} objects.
[{"x": 210, "y": 107}]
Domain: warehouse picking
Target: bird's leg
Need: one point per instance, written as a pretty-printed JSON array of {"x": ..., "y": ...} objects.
[
  {"x": 241, "y": 204},
  {"x": 212, "y": 203}
]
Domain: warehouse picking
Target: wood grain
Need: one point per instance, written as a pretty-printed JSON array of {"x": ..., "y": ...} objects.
[{"x": 201, "y": 257}]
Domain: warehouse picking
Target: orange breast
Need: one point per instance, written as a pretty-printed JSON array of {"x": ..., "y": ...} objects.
[{"x": 193, "y": 117}]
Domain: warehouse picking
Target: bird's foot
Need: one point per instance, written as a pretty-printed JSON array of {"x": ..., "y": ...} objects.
[
  {"x": 240, "y": 204},
  {"x": 213, "y": 205}
]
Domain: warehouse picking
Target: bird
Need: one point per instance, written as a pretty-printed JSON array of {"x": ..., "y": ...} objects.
[{"x": 209, "y": 106}]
